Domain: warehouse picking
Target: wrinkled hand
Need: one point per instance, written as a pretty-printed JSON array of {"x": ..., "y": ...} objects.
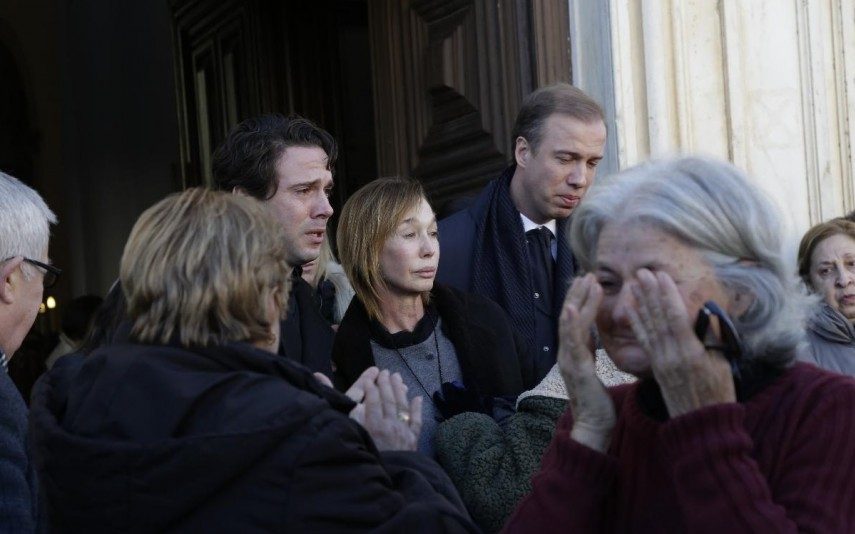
[
  {"x": 593, "y": 410},
  {"x": 689, "y": 376},
  {"x": 356, "y": 391},
  {"x": 393, "y": 422}
]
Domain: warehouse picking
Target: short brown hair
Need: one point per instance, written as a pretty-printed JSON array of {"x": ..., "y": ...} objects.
[
  {"x": 368, "y": 219},
  {"x": 559, "y": 98},
  {"x": 200, "y": 266},
  {"x": 817, "y": 235},
  {"x": 247, "y": 158}
]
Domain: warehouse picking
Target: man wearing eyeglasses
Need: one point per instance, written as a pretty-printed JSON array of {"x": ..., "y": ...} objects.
[{"x": 25, "y": 271}]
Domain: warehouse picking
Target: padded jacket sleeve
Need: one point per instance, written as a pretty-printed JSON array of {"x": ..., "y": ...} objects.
[{"x": 341, "y": 483}]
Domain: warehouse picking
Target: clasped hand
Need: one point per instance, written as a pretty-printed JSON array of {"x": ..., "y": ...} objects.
[
  {"x": 392, "y": 421},
  {"x": 689, "y": 376}
]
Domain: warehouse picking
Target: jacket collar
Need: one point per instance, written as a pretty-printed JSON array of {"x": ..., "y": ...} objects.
[{"x": 352, "y": 350}]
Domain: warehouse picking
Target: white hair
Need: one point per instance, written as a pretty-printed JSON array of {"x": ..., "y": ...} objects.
[
  {"x": 712, "y": 206},
  {"x": 25, "y": 221}
]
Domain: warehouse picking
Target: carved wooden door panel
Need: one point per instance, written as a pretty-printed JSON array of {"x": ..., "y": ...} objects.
[
  {"x": 218, "y": 73},
  {"x": 240, "y": 58},
  {"x": 448, "y": 78}
]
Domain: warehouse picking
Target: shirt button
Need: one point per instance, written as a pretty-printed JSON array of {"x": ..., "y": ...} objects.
[
  {"x": 429, "y": 356},
  {"x": 545, "y": 349},
  {"x": 536, "y": 295}
]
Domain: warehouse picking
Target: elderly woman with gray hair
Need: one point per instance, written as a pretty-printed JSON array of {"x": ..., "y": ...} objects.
[{"x": 723, "y": 432}]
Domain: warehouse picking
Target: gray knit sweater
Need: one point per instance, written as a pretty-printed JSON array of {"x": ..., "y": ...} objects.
[{"x": 422, "y": 377}]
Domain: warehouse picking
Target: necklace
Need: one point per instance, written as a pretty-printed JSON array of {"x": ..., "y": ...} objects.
[{"x": 438, "y": 364}]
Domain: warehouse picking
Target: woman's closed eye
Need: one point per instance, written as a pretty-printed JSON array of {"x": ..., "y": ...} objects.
[{"x": 610, "y": 286}]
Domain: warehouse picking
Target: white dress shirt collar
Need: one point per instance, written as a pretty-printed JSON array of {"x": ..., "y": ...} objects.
[{"x": 528, "y": 224}]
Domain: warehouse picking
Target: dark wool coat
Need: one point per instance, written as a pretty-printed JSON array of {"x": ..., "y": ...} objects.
[
  {"x": 144, "y": 438},
  {"x": 484, "y": 251},
  {"x": 492, "y": 358},
  {"x": 305, "y": 336},
  {"x": 18, "y": 489}
]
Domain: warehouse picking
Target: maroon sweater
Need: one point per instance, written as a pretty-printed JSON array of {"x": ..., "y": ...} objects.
[{"x": 782, "y": 462}]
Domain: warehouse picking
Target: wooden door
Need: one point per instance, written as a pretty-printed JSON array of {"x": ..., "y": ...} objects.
[
  {"x": 240, "y": 58},
  {"x": 448, "y": 79}
]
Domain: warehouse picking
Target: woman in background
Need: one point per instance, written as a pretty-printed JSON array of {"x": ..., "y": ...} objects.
[
  {"x": 827, "y": 268},
  {"x": 332, "y": 288}
]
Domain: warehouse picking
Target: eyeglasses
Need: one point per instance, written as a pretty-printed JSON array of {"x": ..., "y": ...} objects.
[
  {"x": 731, "y": 345},
  {"x": 51, "y": 273}
]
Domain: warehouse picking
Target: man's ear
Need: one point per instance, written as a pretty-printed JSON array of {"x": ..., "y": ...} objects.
[
  {"x": 8, "y": 279},
  {"x": 522, "y": 151}
]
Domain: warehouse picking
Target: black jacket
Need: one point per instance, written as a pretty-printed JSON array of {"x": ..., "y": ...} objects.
[
  {"x": 141, "y": 438},
  {"x": 305, "y": 336},
  {"x": 492, "y": 358}
]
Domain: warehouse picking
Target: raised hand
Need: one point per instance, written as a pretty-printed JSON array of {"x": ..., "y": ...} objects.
[
  {"x": 393, "y": 422},
  {"x": 689, "y": 376},
  {"x": 593, "y": 410}
]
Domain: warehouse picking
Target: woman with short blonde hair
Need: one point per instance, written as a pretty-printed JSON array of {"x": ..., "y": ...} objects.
[
  {"x": 456, "y": 350},
  {"x": 197, "y": 425},
  {"x": 237, "y": 262}
]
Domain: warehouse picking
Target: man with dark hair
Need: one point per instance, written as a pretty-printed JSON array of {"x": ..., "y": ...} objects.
[
  {"x": 509, "y": 244},
  {"x": 287, "y": 164}
]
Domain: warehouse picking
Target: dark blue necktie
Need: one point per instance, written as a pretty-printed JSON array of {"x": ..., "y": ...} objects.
[{"x": 541, "y": 262}]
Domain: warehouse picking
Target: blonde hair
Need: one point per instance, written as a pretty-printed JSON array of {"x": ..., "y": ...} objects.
[
  {"x": 324, "y": 258},
  {"x": 368, "y": 219},
  {"x": 200, "y": 268}
]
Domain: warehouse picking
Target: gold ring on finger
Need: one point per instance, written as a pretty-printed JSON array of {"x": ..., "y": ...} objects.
[{"x": 404, "y": 417}]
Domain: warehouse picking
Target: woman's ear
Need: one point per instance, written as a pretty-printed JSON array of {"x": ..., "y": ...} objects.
[{"x": 740, "y": 302}]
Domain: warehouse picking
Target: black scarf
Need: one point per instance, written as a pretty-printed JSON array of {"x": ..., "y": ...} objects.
[
  {"x": 423, "y": 330},
  {"x": 500, "y": 267}
]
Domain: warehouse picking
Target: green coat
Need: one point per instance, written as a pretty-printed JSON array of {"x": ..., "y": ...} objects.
[{"x": 491, "y": 465}]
